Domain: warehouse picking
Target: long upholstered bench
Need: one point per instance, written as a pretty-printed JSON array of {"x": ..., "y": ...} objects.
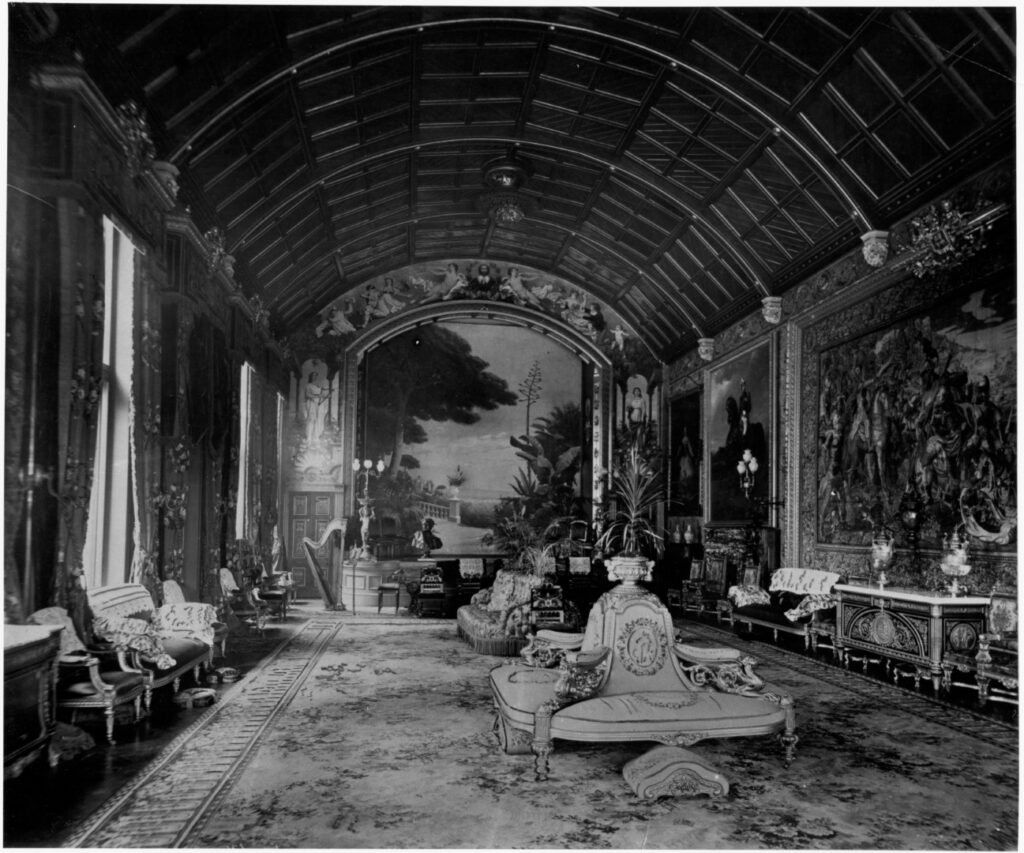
[
  {"x": 798, "y": 601},
  {"x": 166, "y": 642}
]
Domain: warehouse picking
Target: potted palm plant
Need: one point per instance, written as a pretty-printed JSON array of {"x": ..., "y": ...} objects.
[{"x": 631, "y": 536}]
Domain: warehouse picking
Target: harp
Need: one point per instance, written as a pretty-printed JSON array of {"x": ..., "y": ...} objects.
[{"x": 310, "y": 547}]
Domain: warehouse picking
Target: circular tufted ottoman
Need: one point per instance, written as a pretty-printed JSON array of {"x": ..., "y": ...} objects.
[
  {"x": 195, "y": 697},
  {"x": 668, "y": 771},
  {"x": 225, "y": 674}
]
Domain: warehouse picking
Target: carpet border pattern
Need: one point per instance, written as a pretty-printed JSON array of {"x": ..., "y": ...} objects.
[{"x": 158, "y": 822}]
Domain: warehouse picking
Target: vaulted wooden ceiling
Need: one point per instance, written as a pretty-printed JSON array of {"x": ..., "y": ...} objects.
[{"x": 686, "y": 161}]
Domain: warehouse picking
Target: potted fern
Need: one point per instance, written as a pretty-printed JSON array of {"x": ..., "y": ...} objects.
[{"x": 631, "y": 535}]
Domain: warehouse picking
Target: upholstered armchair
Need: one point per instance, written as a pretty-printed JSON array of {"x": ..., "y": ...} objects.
[
  {"x": 245, "y": 606},
  {"x": 91, "y": 680},
  {"x": 497, "y": 619}
]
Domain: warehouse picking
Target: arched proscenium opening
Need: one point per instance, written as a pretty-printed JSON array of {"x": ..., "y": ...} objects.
[{"x": 468, "y": 310}]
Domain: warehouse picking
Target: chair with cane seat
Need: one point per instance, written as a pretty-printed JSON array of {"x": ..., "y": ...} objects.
[{"x": 391, "y": 585}]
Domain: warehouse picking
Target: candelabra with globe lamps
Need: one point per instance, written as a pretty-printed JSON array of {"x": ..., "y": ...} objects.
[
  {"x": 747, "y": 469},
  {"x": 366, "y": 469}
]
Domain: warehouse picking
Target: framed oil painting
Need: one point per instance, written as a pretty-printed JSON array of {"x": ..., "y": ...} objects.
[
  {"x": 922, "y": 410},
  {"x": 739, "y": 432},
  {"x": 686, "y": 454}
]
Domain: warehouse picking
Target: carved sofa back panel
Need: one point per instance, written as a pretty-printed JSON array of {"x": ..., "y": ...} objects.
[
  {"x": 640, "y": 634},
  {"x": 803, "y": 581},
  {"x": 128, "y": 599}
]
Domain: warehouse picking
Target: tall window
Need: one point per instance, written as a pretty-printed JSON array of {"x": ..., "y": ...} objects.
[
  {"x": 108, "y": 542},
  {"x": 245, "y": 414}
]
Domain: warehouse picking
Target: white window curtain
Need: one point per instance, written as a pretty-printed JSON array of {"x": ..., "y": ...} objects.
[
  {"x": 245, "y": 414},
  {"x": 107, "y": 554}
]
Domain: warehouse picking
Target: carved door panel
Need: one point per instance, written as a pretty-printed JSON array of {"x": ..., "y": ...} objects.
[{"x": 309, "y": 515}]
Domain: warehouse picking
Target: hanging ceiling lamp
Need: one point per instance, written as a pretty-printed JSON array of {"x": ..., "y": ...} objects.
[{"x": 503, "y": 177}]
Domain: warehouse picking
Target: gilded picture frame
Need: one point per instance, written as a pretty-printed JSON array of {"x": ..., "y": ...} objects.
[{"x": 744, "y": 382}]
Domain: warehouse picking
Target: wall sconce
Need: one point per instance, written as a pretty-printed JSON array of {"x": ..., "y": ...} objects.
[
  {"x": 747, "y": 468},
  {"x": 39, "y": 477}
]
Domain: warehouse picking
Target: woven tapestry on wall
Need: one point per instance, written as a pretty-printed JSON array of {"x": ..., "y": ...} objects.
[{"x": 912, "y": 403}]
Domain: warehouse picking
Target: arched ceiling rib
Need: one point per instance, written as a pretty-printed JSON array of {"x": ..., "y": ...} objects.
[{"x": 686, "y": 161}]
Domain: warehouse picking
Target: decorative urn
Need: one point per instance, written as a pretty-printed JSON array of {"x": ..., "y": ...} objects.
[{"x": 629, "y": 569}]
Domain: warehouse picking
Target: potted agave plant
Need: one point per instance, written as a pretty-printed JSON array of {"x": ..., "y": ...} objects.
[{"x": 631, "y": 536}]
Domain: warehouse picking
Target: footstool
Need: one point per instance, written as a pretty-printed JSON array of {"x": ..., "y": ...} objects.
[
  {"x": 668, "y": 771},
  {"x": 195, "y": 697}
]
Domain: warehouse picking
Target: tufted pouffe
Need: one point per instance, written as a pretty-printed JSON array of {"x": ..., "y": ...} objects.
[
  {"x": 195, "y": 697},
  {"x": 668, "y": 771}
]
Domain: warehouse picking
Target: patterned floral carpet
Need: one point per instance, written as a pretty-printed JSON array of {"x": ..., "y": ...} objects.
[{"x": 384, "y": 740}]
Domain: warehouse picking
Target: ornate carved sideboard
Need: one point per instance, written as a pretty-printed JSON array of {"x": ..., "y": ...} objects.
[
  {"x": 912, "y": 626},
  {"x": 30, "y": 686}
]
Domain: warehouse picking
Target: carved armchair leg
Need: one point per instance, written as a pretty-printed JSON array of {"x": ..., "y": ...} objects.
[
  {"x": 541, "y": 743},
  {"x": 137, "y": 704},
  {"x": 541, "y": 763},
  {"x": 148, "y": 697},
  {"x": 947, "y": 676},
  {"x": 108, "y": 714},
  {"x": 176, "y": 686},
  {"x": 982, "y": 689},
  {"x": 788, "y": 737},
  {"x": 789, "y": 741}
]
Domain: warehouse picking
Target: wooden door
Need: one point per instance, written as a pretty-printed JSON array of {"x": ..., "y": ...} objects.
[{"x": 310, "y": 513}]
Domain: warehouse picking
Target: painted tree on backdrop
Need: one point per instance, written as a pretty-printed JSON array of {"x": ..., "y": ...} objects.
[
  {"x": 529, "y": 391},
  {"x": 428, "y": 374}
]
